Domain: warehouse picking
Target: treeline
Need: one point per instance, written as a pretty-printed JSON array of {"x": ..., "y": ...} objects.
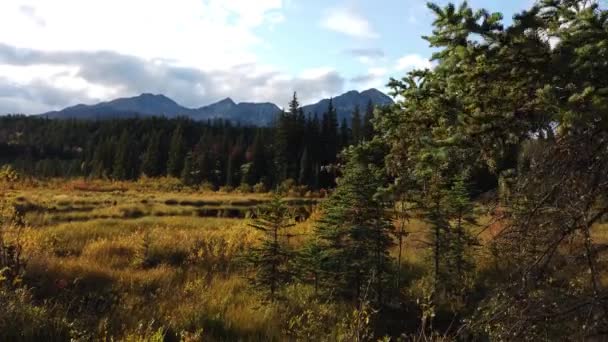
[{"x": 301, "y": 146}]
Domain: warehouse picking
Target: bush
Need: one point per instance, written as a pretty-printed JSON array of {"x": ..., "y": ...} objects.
[
  {"x": 20, "y": 320},
  {"x": 286, "y": 186},
  {"x": 245, "y": 188},
  {"x": 308, "y": 318},
  {"x": 226, "y": 189},
  {"x": 207, "y": 187},
  {"x": 8, "y": 174},
  {"x": 12, "y": 262},
  {"x": 260, "y": 188}
]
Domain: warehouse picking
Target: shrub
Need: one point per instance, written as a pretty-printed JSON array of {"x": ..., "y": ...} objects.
[
  {"x": 260, "y": 188},
  {"x": 207, "y": 187},
  {"x": 226, "y": 189},
  {"x": 308, "y": 318},
  {"x": 12, "y": 262},
  {"x": 20, "y": 320},
  {"x": 245, "y": 188},
  {"x": 8, "y": 174},
  {"x": 286, "y": 186}
]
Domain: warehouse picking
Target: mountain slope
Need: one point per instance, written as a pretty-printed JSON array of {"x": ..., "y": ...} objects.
[
  {"x": 142, "y": 105},
  {"x": 244, "y": 112},
  {"x": 345, "y": 104}
]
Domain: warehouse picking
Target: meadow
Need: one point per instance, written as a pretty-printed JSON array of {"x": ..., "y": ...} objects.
[
  {"x": 146, "y": 261},
  {"x": 117, "y": 260}
]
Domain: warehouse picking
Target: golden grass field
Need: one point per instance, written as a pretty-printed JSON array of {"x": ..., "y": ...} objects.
[
  {"x": 132, "y": 261},
  {"x": 127, "y": 259}
]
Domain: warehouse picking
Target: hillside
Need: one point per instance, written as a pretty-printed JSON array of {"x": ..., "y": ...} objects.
[{"x": 260, "y": 114}]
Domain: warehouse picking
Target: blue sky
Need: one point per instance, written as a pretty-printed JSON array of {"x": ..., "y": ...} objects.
[
  {"x": 398, "y": 24},
  {"x": 300, "y": 43},
  {"x": 62, "y": 52}
]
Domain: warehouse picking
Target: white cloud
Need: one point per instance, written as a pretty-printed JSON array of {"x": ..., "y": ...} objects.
[
  {"x": 60, "y": 79},
  {"x": 316, "y": 72},
  {"x": 366, "y": 56},
  {"x": 378, "y": 71},
  {"x": 62, "y": 52},
  {"x": 413, "y": 61},
  {"x": 349, "y": 22},
  {"x": 209, "y": 34},
  {"x": 374, "y": 78}
]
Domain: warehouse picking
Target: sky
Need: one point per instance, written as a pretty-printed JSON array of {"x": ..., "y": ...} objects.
[{"x": 59, "y": 53}]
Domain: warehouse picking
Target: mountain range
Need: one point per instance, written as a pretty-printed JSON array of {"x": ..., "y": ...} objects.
[{"x": 245, "y": 112}]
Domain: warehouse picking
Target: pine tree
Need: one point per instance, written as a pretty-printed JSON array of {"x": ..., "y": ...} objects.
[
  {"x": 281, "y": 147},
  {"x": 368, "y": 127},
  {"x": 151, "y": 164},
  {"x": 304, "y": 176},
  {"x": 310, "y": 264},
  {"x": 260, "y": 167},
  {"x": 190, "y": 173},
  {"x": 177, "y": 152},
  {"x": 495, "y": 88},
  {"x": 354, "y": 232},
  {"x": 330, "y": 144},
  {"x": 313, "y": 143},
  {"x": 356, "y": 125},
  {"x": 231, "y": 169},
  {"x": 103, "y": 159},
  {"x": 272, "y": 259},
  {"x": 124, "y": 167},
  {"x": 345, "y": 134},
  {"x": 461, "y": 242}
]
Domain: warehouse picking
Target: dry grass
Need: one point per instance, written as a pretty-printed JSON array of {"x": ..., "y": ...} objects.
[
  {"x": 185, "y": 274},
  {"x": 115, "y": 256},
  {"x": 119, "y": 256}
]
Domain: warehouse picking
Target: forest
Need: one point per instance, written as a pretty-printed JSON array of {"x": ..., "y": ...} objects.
[
  {"x": 473, "y": 209},
  {"x": 213, "y": 153}
]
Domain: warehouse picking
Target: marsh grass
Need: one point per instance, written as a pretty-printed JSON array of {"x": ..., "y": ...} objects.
[
  {"x": 143, "y": 262},
  {"x": 129, "y": 264}
]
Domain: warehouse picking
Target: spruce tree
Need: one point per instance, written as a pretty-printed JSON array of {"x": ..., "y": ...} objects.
[
  {"x": 310, "y": 263},
  {"x": 330, "y": 141},
  {"x": 177, "y": 152},
  {"x": 354, "y": 232},
  {"x": 190, "y": 172},
  {"x": 304, "y": 176},
  {"x": 151, "y": 164},
  {"x": 314, "y": 148},
  {"x": 272, "y": 258},
  {"x": 461, "y": 241},
  {"x": 260, "y": 167},
  {"x": 368, "y": 127},
  {"x": 345, "y": 134},
  {"x": 124, "y": 161},
  {"x": 494, "y": 89},
  {"x": 281, "y": 146},
  {"x": 356, "y": 125}
]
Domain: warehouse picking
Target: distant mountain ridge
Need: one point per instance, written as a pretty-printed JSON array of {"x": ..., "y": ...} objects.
[
  {"x": 245, "y": 112},
  {"x": 345, "y": 104}
]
